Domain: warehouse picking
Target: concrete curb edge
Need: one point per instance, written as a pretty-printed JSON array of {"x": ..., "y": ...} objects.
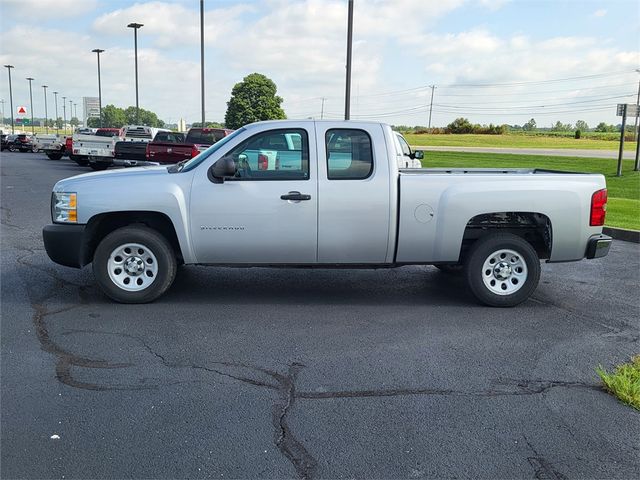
[{"x": 622, "y": 234}]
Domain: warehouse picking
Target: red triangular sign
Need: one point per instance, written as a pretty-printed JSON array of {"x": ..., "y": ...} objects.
[{"x": 22, "y": 110}]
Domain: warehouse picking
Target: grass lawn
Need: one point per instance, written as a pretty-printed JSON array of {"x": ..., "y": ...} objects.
[
  {"x": 514, "y": 141},
  {"x": 623, "y": 208}
]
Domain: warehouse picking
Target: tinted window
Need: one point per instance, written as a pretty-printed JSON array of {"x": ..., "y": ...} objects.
[
  {"x": 169, "y": 137},
  {"x": 349, "y": 154},
  {"x": 107, "y": 133},
  {"x": 273, "y": 155},
  {"x": 208, "y": 137}
]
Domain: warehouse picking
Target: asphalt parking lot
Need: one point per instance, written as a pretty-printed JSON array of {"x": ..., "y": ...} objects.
[{"x": 279, "y": 373}]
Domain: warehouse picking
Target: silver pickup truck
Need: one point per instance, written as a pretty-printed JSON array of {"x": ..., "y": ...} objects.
[{"x": 343, "y": 200}]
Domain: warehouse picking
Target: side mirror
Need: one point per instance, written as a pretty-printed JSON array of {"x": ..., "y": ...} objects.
[
  {"x": 225, "y": 167},
  {"x": 418, "y": 154}
]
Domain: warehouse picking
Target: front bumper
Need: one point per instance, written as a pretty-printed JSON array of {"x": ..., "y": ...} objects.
[
  {"x": 65, "y": 244},
  {"x": 598, "y": 246}
]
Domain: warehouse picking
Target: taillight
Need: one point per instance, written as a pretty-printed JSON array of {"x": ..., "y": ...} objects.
[
  {"x": 598, "y": 208},
  {"x": 263, "y": 162},
  {"x": 194, "y": 151},
  {"x": 147, "y": 153}
]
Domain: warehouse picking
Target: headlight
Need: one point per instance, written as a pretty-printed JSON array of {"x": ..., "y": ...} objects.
[{"x": 64, "y": 207}]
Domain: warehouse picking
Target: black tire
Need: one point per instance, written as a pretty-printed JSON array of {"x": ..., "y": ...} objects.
[
  {"x": 54, "y": 155},
  {"x": 451, "y": 269},
  {"x": 98, "y": 166},
  {"x": 480, "y": 278},
  {"x": 150, "y": 240},
  {"x": 13, "y": 148}
]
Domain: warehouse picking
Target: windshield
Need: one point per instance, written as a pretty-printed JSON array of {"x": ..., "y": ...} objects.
[{"x": 198, "y": 159}]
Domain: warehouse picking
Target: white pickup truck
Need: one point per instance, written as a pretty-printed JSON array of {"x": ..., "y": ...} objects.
[
  {"x": 344, "y": 200},
  {"x": 96, "y": 150}
]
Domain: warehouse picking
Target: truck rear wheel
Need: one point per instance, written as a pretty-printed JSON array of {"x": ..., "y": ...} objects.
[
  {"x": 54, "y": 155},
  {"x": 502, "y": 269},
  {"x": 98, "y": 166},
  {"x": 134, "y": 264}
]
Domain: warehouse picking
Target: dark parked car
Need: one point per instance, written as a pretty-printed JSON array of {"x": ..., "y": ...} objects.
[
  {"x": 3, "y": 143},
  {"x": 21, "y": 142}
]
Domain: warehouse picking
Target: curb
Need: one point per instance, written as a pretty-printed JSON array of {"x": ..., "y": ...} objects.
[{"x": 622, "y": 234}]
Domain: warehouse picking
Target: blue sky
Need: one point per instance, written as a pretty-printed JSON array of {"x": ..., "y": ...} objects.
[{"x": 495, "y": 61}]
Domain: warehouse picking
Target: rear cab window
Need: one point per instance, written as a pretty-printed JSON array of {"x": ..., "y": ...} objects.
[{"x": 349, "y": 154}]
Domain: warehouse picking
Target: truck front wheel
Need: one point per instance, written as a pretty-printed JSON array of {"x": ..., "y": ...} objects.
[
  {"x": 502, "y": 269},
  {"x": 134, "y": 264}
]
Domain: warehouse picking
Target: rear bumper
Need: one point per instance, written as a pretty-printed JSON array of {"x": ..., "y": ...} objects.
[
  {"x": 598, "y": 246},
  {"x": 65, "y": 244}
]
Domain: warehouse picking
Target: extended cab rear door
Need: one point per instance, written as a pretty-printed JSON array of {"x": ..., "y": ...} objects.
[{"x": 354, "y": 194}]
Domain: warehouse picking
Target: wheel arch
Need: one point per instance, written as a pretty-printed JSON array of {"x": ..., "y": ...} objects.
[
  {"x": 101, "y": 225},
  {"x": 534, "y": 227}
]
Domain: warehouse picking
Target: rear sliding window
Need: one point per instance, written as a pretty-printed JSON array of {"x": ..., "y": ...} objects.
[
  {"x": 208, "y": 137},
  {"x": 349, "y": 154},
  {"x": 169, "y": 137}
]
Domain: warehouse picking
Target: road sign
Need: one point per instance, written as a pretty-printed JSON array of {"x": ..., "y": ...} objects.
[
  {"x": 22, "y": 111},
  {"x": 22, "y": 121},
  {"x": 632, "y": 110}
]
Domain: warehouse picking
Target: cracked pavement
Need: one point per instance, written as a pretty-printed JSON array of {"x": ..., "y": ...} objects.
[{"x": 269, "y": 373}]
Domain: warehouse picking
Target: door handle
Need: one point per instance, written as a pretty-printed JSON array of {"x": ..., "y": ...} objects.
[{"x": 296, "y": 196}]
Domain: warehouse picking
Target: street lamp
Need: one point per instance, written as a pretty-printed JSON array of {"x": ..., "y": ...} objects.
[
  {"x": 46, "y": 113},
  {"x": 98, "y": 51},
  {"x": 33, "y": 131},
  {"x": 347, "y": 94},
  {"x": 75, "y": 110},
  {"x": 9, "y": 67},
  {"x": 64, "y": 114},
  {"x": 202, "y": 57},
  {"x": 70, "y": 113},
  {"x": 55, "y": 94},
  {"x": 135, "y": 27}
]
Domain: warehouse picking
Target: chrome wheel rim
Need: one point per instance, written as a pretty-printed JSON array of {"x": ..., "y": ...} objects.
[
  {"x": 504, "y": 272},
  {"x": 132, "y": 267}
]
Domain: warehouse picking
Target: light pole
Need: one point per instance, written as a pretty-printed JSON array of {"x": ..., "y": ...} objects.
[
  {"x": 635, "y": 126},
  {"x": 202, "y": 56},
  {"x": 55, "y": 94},
  {"x": 46, "y": 113},
  {"x": 75, "y": 110},
  {"x": 9, "y": 67},
  {"x": 347, "y": 95},
  {"x": 64, "y": 114},
  {"x": 135, "y": 27},
  {"x": 70, "y": 113},
  {"x": 98, "y": 51},
  {"x": 2, "y": 102},
  {"x": 33, "y": 131}
]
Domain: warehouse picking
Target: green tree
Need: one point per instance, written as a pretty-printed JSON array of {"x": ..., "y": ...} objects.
[
  {"x": 530, "y": 126},
  {"x": 252, "y": 100},
  {"x": 59, "y": 123},
  {"x": 561, "y": 127},
  {"x": 208, "y": 124},
  {"x": 74, "y": 122},
  {"x": 582, "y": 125},
  {"x": 146, "y": 117},
  {"x": 603, "y": 127},
  {"x": 112, "y": 117},
  {"x": 460, "y": 125}
]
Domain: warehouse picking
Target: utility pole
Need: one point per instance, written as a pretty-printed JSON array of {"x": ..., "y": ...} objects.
[
  {"x": 2, "y": 102},
  {"x": 322, "y": 108},
  {"x": 432, "y": 87},
  {"x": 9, "y": 67},
  {"x": 635, "y": 127},
  {"x": 55, "y": 94},
  {"x": 135, "y": 27},
  {"x": 347, "y": 96},
  {"x": 621, "y": 150},
  {"x": 202, "y": 57},
  {"x": 33, "y": 128},
  {"x": 46, "y": 113},
  {"x": 64, "y": 114},
  {"x": 98, "y": 52}
]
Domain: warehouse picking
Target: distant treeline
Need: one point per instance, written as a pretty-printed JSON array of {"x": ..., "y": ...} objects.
[{"x": 463, "y": 125}]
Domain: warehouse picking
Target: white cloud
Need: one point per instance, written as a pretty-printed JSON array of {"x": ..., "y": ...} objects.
[
  {"x": 599, "y": 13},
  {"x": 44, "y": 9}
]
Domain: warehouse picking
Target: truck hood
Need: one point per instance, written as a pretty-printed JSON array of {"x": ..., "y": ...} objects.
[{"x": 72, "y": 183}]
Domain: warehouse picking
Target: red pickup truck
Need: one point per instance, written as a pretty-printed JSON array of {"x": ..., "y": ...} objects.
[{"x": 172, "y": 147}]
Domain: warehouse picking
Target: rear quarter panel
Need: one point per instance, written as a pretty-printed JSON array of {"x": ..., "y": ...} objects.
[{"x": 454, "y": 199}]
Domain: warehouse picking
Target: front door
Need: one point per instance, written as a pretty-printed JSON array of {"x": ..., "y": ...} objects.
[{"x": 264, "y": 215}]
